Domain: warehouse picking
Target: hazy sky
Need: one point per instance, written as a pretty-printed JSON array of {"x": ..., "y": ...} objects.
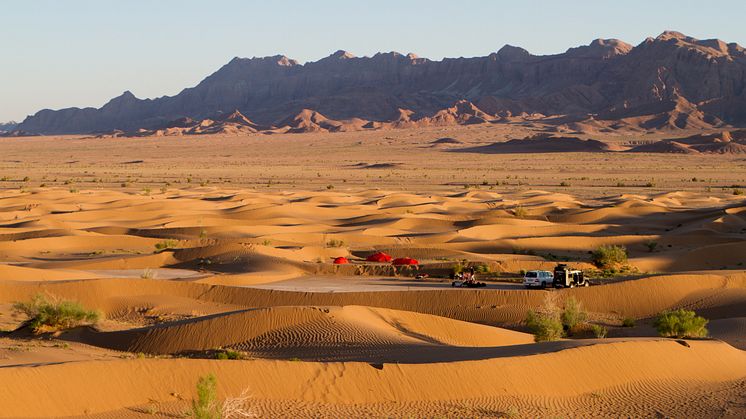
[{"x": 59, "y": 54}]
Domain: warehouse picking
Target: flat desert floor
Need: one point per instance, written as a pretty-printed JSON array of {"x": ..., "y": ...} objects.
[{"x": 192, "y": 247}]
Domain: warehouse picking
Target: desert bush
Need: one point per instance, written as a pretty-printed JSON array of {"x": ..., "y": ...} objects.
[
  {"x": 681, "y": 324},
  {"x": 206, "y": 405},
  {"x": 44, "y": 315},
  {"x": 457, "y": 268},
  {"x": 599, "y": 331},
  {"x": 166, "y": 244},
  {"x": 228, "y": 354},
  {"x": 628, "y": 322},
  {"x": 573, "y": 315},
  {"x": 737, "y": 191},
  {"x": 651, "y": 245},
  {"x": 520, "y": 212},
  {"x": 482, "y": 269},
  {"x": 335, "y": 243},
  {"x": 147, "y": 273},
  {"x": 609, "y": 256},
  {"x": 544, "y": 326}
]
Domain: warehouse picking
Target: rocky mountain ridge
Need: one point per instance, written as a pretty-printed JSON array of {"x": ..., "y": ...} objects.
[{"x": 669, "y": 82}]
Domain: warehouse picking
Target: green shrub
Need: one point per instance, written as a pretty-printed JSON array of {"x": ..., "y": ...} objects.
[
  {"x": 609, "y": 256},
  {"x": 482, "y": 269},
  {"x": 44, "y": 315},
  {"x": 599, "y": 331},
  {"x": 228, "y": 354},
  {"x": 520, "y": 212},
  {"x": 335, "y": 243},
  {"x": 628, "y": 322},
  {"x": 681, "y": 324},
  {"x": 206, "y": 405},
  {"x": 651, "y": 245},
  {"x": 572, "y": 315},
  {"x": 166, "y": 244},
  {"x": 457, "y": 268},
  {"x": 544, "y": 327}
]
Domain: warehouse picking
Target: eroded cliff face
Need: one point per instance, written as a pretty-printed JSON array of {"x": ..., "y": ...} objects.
[{"x": 673, "y": 79}]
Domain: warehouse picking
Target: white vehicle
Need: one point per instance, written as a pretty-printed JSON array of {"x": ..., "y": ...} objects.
[{"x": 538, "y": 279}]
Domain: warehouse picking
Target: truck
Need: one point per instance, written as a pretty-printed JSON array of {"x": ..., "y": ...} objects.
[{"x": 564, "y": 277}]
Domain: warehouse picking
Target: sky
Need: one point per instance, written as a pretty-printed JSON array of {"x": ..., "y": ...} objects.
[{"x": 58, "y": 54}]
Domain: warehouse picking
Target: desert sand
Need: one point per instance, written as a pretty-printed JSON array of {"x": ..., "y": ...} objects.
[{"x": 198, "y": 244}]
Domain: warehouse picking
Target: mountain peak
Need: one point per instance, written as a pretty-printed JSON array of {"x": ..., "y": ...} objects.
[
  {"x": 666, "y": 35},
  {"x": 342, "y": 55},
  {"x": 601, "y": 48},
  {"x": 509, "y": 52}
]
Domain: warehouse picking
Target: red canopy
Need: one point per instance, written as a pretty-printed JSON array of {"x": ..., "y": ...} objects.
[
  {"x": 341, "y": 260},
  {"x": 379, "y": 257},
  {"x": 405, "y": 261}
]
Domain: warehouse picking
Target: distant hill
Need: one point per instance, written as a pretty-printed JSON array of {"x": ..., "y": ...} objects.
[
  {"x": 670, "y": 82},
  {"x": 8, "y": 126}
]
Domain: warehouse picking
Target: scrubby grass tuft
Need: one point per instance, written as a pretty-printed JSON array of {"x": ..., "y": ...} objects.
[
  {"x": 206, "y": 405},
  {"x": 545, "y": 327},
  {"x": 520, "y": 212},
  {"x": 611, "y": 256},
  {"x": 44, "y": 315},
  {"x": 681, "y": 324},
  {"x": 572, "y": 315},
  {"x": 228, "y": 354},
  {"x": 335, "y": 243},
  {"x": 628, "y": 322},
  {"x": 166, "y": 244},
  {"x": 599, "y": 331}
]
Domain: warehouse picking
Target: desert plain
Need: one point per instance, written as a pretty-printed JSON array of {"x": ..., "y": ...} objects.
[{"x": 196, "y": 246}]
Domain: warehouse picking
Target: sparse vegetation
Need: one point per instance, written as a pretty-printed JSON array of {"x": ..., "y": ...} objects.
[
  {"x": 544, "y": 326},
  {"x": 166, "y": 244},
  {"x": 46, "y": 316},
  {"x": 520, "y": 212},
  {"x": 206, "y": 405},
  {"x": 651, "y": 245},
  {"x": 228, "y": 354},
  {"x": 681, "y": 324},
  {"x": 628, "y": 322},
  {"x": 573, "y": 315},
  {"x": 599, "y": 331},
  {"x": 147, "y": 273},
  {"x": 335, "y": 243},
  {"x": 609, "y": 256},
  {"x": 737, "y": 191}
]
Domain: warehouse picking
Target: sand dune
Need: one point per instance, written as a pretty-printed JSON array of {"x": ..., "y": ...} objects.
[
  {"x": 540, "y": 384},
  {"x": 186, "y": 272}
]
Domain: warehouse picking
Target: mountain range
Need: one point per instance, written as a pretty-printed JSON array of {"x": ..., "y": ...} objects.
[{"x": 671, "y": 82}]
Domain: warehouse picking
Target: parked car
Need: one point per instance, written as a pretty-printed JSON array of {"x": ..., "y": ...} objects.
[
  {"x": 564, "y": 277},
  {"x": 538, "y": 279}
]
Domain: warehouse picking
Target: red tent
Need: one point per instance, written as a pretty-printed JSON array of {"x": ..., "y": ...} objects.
[
  {"x": 341, "y": 260},
  {"x": 379, "y": 257},
  {"x": 405, "y": 261}
]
